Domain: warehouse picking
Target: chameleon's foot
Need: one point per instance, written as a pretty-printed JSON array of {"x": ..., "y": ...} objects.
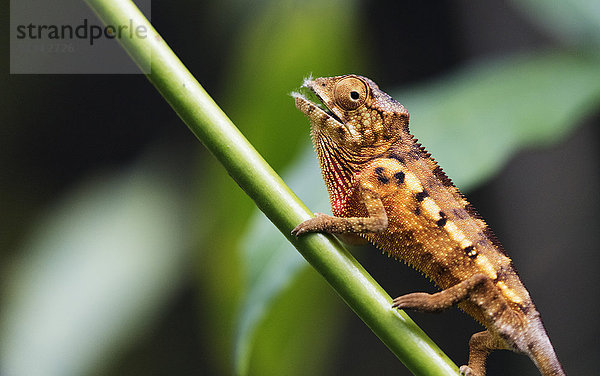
[
  {"x": 314, "y": 224},
  {"x": 466, "y": 371},
  {"x": 419, "y": 301}
]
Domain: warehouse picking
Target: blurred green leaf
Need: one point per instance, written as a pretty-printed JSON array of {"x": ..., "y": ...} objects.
[
  {"x": 93, "y": 275},
  {"x": 472, "y": 121},
  {"x": 273, "y": 263},
  {"x": 572, "y": 21},
  {"x": 315, "y": 312},
  {"x": 476, "y": 119}
]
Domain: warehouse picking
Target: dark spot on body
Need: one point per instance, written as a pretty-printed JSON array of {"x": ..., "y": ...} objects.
[
  {"x": 379, "y": 172},
  {"x": 421, "y": 195},
  {"x": 470, "y": 251},
  {"x": 442, "y": 221},
  {"x": 418, "y": 210},
  {"x": 399, "y": 176}
]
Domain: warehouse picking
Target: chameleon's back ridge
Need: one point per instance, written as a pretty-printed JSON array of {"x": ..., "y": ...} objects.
[{"x": 385, "y": 187}]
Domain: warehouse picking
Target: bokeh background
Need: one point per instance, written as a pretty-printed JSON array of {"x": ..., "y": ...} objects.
[{"x": 125, "y": 249}]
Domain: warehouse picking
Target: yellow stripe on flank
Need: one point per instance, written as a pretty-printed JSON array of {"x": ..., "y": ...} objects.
[
  {"x": 412, "y": 182},
  {"x": 431, "y": 208},
  {"x": 457, "y": 235},
  {"x": 509, "y": 293},
  {"x": 486, "y": 266},
  {"x": 454, "y": 232},
  {"x": 465, "y": 243}
]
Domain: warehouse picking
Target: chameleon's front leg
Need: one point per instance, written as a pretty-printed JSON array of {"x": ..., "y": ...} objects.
[{"x": 376, "y": 221}]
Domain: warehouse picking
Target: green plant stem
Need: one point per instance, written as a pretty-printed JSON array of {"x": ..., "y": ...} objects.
[{"x": 211, "y": 126}]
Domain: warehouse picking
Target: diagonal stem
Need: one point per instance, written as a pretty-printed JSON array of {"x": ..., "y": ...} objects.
[{"x": 211, "y": 126}]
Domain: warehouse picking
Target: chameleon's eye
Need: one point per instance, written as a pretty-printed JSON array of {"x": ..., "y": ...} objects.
[{"x": 350, "y": 93}]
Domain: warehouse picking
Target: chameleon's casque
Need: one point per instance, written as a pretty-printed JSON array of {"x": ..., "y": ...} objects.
[{"x": 386, "y": 188}]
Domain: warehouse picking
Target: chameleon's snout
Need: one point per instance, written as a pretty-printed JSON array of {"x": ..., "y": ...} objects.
[{"x": 301, "y": 103}]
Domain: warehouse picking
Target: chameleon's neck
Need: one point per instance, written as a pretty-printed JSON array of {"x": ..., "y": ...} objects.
[
  {"x": 340, "y": 166},
  {"x": 338, "y": 174}
]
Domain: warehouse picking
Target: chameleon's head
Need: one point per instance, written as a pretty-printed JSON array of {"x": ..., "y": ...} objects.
[{"x": 359, "y": 117}]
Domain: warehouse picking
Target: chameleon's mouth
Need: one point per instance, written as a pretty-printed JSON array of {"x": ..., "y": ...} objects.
[
  {"x": 314, "y": 111},
  {"x": 332, "y": 115}
]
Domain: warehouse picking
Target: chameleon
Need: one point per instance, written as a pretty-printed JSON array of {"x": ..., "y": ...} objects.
[{"x": 385, "y": 188}]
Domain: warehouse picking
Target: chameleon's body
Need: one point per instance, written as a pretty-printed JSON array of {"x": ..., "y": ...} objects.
[{"x": 386, "y": 188}]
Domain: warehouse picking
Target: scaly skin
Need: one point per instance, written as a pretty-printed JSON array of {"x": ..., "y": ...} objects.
[{"x": 386, "y": 188}]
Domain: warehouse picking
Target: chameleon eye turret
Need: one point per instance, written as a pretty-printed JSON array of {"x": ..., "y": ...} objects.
[
  {"x": 350, "y": 93},
  {"x": 384, "y": 187}
]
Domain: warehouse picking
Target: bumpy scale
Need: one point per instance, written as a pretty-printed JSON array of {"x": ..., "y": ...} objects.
[{"x": 385, "y": 187}]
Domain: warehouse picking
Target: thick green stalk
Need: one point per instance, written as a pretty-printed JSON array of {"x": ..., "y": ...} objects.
[{"x": 206, "y": 120}]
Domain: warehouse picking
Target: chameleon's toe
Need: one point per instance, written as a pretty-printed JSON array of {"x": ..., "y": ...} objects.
[
  {"x": 299, "y": 230},
  {"x": 466, "y": 371},
  {"x": 310, "y": 225},
  {"x": 416, "y": 300}
]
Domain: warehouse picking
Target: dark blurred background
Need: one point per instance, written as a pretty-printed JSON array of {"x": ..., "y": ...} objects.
[{"x": 121, "y": 235}]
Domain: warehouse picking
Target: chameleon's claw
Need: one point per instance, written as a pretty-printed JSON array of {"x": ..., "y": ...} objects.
[
  {"x": 415, "y": 300},
  {"x": 299, "y": 230},
  {"x": 308, "y": 225},
  {"x": 466, "y": 371}
]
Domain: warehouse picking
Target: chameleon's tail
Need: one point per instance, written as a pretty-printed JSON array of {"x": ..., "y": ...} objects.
[{"x": 540, "y": 350}]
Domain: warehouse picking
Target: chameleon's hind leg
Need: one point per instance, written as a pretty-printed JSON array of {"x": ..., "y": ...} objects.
[
  {"x": 479, "y": 289},
  {"x": 480, "y": 346}
]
